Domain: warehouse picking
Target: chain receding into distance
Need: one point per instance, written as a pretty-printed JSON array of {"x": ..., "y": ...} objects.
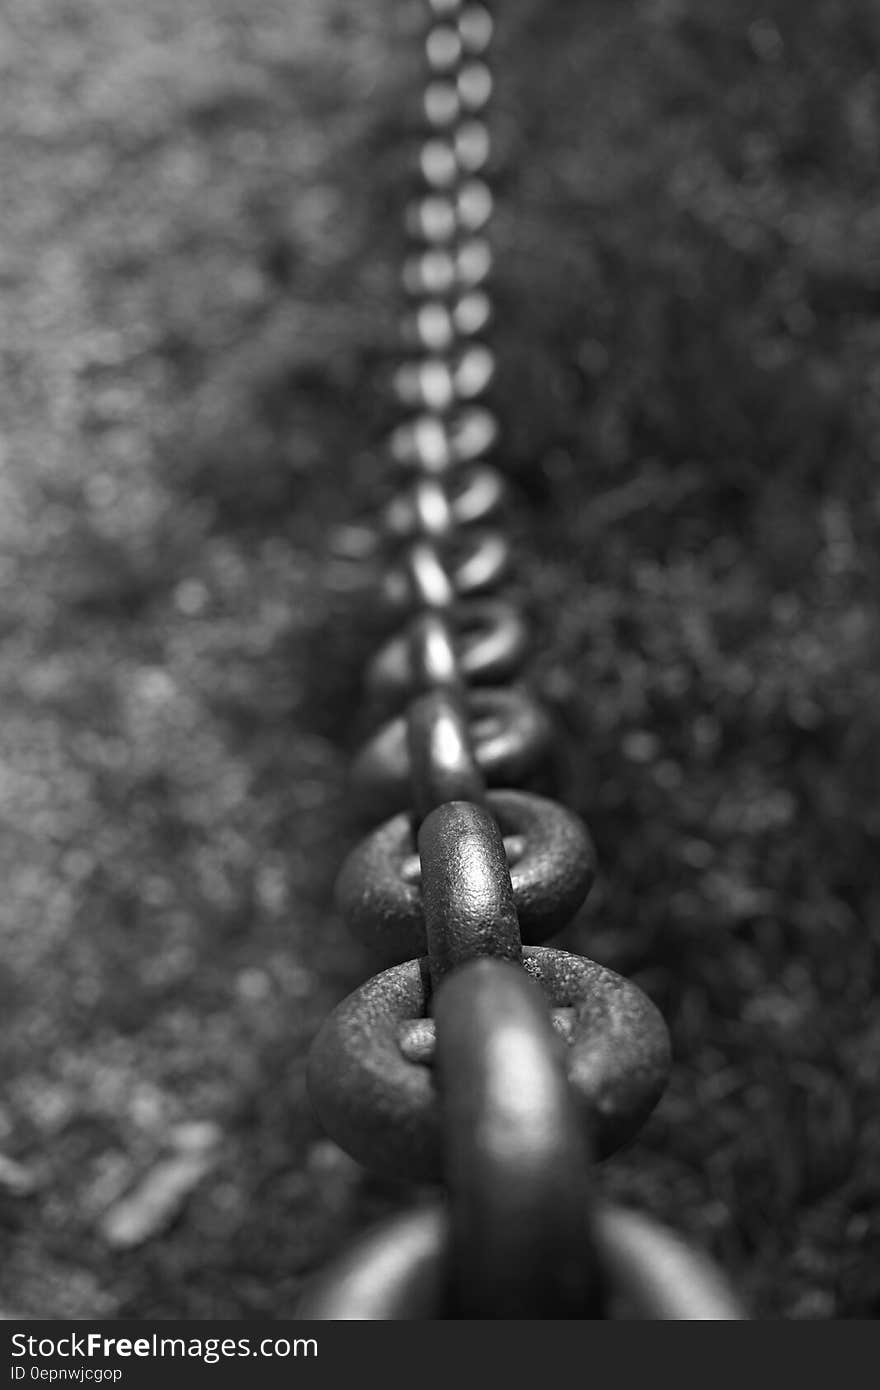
[{"x": 478, "y": 1059}]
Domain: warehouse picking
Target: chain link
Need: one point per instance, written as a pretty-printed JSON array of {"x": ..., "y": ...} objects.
[
  {"x": 400, "y": 1270},
  {"x": 499, "y": 1069}
]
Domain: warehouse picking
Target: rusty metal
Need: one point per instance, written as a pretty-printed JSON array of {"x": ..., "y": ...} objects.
[
  {"x": 497, "y": 1068},
  {"x": 467, "y": 895},
  {"x": 376, "y": 1103},
  {"x": 382, "y": 1108},
  {"x": 549, "y": 852}
]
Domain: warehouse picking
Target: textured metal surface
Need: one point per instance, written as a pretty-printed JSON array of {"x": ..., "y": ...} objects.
[
  {"x": 382, "y": 1108},
  {"x": 516, "y": 1152},
  {"x": 467, "y": 895},
  {"x": 398, "y": 1271},
  {"x": 618, "y": 1057},
  {"x": 377, "y": 1105},
  {"x": 551, "y": 860}
]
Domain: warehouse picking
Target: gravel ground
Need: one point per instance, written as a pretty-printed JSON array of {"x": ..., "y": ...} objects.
[{"x": 199, "y": 241}]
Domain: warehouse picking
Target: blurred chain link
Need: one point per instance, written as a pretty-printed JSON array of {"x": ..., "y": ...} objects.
[{"x": 499, "y": 1069}]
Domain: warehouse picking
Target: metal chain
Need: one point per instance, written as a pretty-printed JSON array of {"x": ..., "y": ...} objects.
[{"x": 498, "y": 1068}]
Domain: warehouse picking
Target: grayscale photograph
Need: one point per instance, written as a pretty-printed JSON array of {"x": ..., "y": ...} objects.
[{"x": 439, "y": 672}]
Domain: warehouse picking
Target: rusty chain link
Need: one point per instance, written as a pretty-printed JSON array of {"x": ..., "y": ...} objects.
[{"x": 499, "y": 1069}]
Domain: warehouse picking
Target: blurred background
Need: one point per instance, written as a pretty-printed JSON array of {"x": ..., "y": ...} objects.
[{"x": 200, "y": 240}]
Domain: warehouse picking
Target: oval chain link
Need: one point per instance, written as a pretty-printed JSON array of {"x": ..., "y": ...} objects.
[
  {"x": 399, "y": 1270},
  {"x": 498, "y": 1068}
]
